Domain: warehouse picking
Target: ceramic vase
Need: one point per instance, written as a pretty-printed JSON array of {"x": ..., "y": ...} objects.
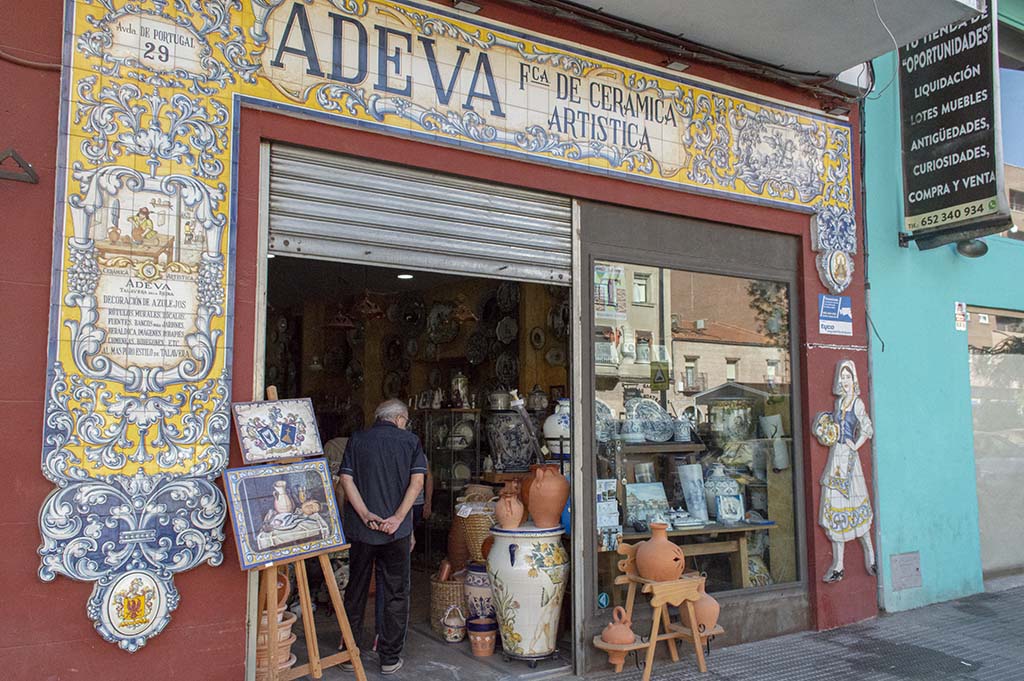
[
  {"x": 483, "y": 634},
  {"x": 718, "y": 483},
  {"x": 282, "y": 502},
  {"x": 705, "y": 610},
  {"x": 478, "y": 592},
  {"x": 633, "y": 428},
  {"x": 547, "y": 496},
  {"x": 558, "y": 430},
  {"x": 528, "y": 568},
  {"x": 509, "y": 441},
  {"x": 681, "y": 430},
  {"x": 509, "y": 510},
  {"x": 658, "y": 559}
]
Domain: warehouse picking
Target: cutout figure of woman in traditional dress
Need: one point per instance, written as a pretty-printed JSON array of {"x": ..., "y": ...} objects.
[{"x": 845, "y": 508}]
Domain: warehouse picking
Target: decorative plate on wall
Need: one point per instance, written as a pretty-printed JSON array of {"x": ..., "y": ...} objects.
[
  {"x": 508, "y": 296},
  {"x": 507, "y": 330},
  {"x": 476, "y": 348},
  {"x": 441, "y": 326},
  {"x": 555, "y": 357},
  {"x": 537, "y": 338},
  {"x": 412, "y": 317},
  {"x": 507, "y": 369}
]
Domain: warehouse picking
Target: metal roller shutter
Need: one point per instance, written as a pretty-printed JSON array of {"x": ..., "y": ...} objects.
[{"x": 336, "y": 207}]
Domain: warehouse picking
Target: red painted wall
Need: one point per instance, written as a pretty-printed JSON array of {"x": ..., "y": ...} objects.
[{"x": 45, "y": 631}]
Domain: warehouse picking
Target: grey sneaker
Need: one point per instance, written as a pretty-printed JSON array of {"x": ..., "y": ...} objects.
[
  {"x": 391, "y": 668},
  {"x": 347, "y": 666}
]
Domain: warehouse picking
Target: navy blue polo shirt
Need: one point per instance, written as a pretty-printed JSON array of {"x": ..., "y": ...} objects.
[{"x": 381, "y": 460}]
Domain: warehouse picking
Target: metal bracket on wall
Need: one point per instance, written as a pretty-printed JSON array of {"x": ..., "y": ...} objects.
[{"x": 25, "y": 172}]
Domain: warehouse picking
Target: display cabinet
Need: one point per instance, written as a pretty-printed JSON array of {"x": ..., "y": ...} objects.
[{"x": 451, "y": 440}]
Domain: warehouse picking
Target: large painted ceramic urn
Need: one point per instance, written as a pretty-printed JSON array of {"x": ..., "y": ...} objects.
[{"x": 528, "y": 568}]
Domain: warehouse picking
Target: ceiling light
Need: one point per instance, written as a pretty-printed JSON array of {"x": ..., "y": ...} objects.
[
  {"x": 676, "y": 65},
  {"x": 972, "y": 248},
  {"x": 405, "y": 276},
  {"x": 270, "y": 255},
  {"x": 466, "y": 6}
]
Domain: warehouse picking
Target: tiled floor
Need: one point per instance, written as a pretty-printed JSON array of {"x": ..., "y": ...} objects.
[{"x": 980, "y": 638}]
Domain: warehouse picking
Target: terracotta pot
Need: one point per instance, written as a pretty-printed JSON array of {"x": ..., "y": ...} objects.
[
  {"x": 458, "y": 549},
  {"x": 548, "y": 494},
  {"x": 483, "y": 642},
  {"x": 280, "y": 615},
  {"x": 619, "y": 631},
  {"x": 509, "y": 510},
  {"x": 527, "y": 482},
  {"x": 706, "y": 610},
  {"x": 284, "y": 630},
  {"x": 658, "y": 559}
]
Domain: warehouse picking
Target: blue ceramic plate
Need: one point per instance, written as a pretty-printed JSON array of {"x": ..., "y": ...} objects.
[{"x": 656, "y": 423}]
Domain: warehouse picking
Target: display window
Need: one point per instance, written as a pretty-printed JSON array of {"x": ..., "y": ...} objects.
[{"x": 693, "y": 423}]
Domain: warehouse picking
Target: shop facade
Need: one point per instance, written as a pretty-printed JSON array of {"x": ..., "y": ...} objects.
[
  {"x": 964, "y": 448},
  {"x": 675, "y": 204}
]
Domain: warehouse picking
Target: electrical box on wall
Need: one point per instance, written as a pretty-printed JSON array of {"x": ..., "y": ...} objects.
[{"x": 906, "y": 570}]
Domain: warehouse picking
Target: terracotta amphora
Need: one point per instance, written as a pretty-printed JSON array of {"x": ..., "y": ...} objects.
[
  {"x": 509, "y": 510},
  {"x": 547, "y": 496},
  {"x": 706, "y": 611},
  {"x": 658, "y": 559}
]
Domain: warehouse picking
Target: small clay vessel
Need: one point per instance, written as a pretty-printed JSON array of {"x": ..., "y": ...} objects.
[
  {"x": 705, "y": 610},
  {"x": 510, "y": 510},
  {"x": 658, "y": 559},
  {"x": 618, "y": 632},
  {"x": 485, "y": 548},
  {"x": 547, "y": 496},
  {"x": 458, "y": 549}
]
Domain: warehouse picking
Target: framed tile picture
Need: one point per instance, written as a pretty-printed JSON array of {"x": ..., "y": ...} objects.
[
  {"x": 282, "y": 511},
  {"x": 278, "y": 429}
]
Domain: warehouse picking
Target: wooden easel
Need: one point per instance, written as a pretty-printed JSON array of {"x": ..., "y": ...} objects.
[
  {"x": 673, "y": 593},
  {"x": 268, "y": 599}
]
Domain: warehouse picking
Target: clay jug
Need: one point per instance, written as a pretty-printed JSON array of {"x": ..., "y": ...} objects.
[
  {"x": 548, "y": 494},
  {"x": 658, "y": 559},
  {"x": 509, "y": 510},
  {"x": 527, "y": 482},
  {"x": 705, "y": 610},
  {"x": 619, "y": 631}
]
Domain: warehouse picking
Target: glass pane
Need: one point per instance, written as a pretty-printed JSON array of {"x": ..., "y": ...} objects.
[
  {"x": 996, "y": 339},
  {"x": 694, "y": 423}
]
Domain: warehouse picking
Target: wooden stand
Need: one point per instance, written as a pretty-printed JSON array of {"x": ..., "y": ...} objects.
[
  {"x": 316, "y": 664},
  {"x": 685, "y": 590},
  {"x": 268, "y": 599}
]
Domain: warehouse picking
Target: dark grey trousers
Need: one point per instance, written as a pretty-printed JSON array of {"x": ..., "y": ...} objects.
[{"x": 393, "y": 566}]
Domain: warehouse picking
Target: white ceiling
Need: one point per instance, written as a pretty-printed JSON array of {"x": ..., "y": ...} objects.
[{"x": 815, "y": 36}]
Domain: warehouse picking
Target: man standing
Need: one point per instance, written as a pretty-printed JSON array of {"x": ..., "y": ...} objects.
[{"x": 382, "y": 474}]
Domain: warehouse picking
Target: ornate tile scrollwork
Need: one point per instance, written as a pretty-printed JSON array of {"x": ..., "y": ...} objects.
[{"x": 137, "y": 421}]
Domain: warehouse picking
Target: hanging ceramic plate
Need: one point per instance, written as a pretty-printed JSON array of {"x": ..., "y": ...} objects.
[
  {"x": 392, "y": 313},
  {"x": 441, "y": 326},
  {"x": 476, "y": 348},
  {"x": 391, "y": 351},
  {"x": 555, "y": 357},
  {"x": 392, "y": 384},
  {"x": 496, "y": 349},
  {"x": 537, "y": 338},
  {"x": 412, "y": 317},
  {"x": 461, "y": 471},
  {"x": 655, "y": 422},
  {"x": 508, "y": 296},
  {"x": 412, "y": 346},
  {"x": 507, "y": 369},
  {"x": 559, "y": 318},
  {"x": 357, "y": 335},
  {"x": 354, "y": 373},
  {"x": 507, "y": 330},
  {"x": 605, "y": 423},
  {"x": 430, "y": 352}
]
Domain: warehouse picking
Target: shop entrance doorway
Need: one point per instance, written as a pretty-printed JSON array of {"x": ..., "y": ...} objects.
[{"x": 451, "y": 347}]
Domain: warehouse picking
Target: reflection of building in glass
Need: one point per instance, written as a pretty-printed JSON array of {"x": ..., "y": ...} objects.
[{"x": 1015, "y": 188}]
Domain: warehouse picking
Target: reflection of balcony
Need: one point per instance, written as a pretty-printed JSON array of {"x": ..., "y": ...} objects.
[{"x": 694, "y": 384}]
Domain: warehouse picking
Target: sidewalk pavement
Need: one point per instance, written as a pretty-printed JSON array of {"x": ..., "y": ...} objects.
[{"x": 979, "y": 637}]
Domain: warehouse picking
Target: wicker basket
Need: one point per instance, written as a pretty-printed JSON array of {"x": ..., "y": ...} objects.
[
  {"x": 442, "y": 596},
  {"x": 478, "y": 528}
]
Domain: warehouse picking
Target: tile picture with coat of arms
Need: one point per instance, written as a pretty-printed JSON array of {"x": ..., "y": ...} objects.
[
  {"x": 282, "y": 512},
  {"x": 281, "y": 429}
]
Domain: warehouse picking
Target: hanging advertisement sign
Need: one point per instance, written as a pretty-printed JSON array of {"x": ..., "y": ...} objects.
[{"x": 952, "y": 155}]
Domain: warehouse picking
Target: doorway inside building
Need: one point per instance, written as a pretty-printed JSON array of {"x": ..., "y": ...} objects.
[{"x": 451, "y": 347}]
